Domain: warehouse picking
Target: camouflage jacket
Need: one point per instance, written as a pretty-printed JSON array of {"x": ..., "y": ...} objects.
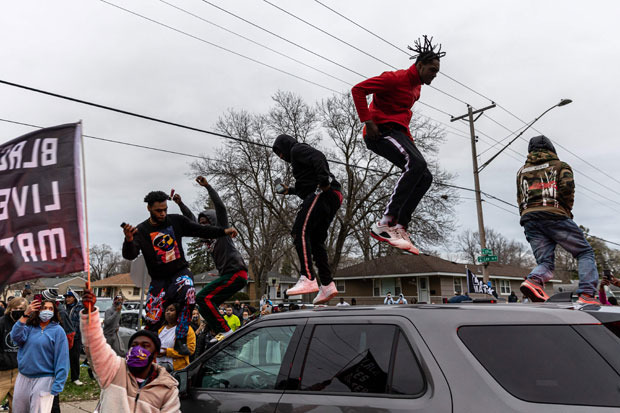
[{"x": 545, "y": 184}]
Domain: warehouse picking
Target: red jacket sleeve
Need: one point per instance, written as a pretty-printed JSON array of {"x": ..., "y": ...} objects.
[{"x": 382, "y": 83}]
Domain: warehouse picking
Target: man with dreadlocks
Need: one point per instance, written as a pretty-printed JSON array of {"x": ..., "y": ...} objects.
[{"x": 386, "y": 133}]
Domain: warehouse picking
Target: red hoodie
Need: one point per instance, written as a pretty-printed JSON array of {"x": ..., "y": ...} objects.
[{"x": 394, "y": 93}]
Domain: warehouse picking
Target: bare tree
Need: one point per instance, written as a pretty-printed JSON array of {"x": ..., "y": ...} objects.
[
  {"x": 509, "y": 252},
  {"x": 104, "y": 262},
  {"x": 244, "y": 170}
]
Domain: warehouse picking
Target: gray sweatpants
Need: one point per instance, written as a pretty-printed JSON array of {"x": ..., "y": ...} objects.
[{"x": 32, "y": 395}]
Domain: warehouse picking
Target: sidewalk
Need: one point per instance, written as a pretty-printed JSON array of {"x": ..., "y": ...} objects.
[{"x": 78, "y": 407}]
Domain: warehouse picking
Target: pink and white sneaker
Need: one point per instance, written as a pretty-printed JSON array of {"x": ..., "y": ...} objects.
[
  {"x": 326, "y": 293},
  {"x": 405, "y": 236},
  {"x": 303, "y": 286},
  {"x": 391, "y": 235}
]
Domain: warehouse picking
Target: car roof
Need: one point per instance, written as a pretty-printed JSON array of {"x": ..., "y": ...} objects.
[{"x": 457, "y": 314}]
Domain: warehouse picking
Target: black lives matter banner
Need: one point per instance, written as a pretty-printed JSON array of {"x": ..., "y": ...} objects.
[
  {"x": 474, "y": 285},
  {"x": 41, "y": 222}
]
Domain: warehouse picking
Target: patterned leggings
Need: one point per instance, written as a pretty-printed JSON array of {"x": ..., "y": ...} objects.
[{"x": 162, "y": 293}]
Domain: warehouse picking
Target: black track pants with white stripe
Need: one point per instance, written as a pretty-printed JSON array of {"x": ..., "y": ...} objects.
[
  {"x": 310, "y": 232},
  {"x": 416, "y": 179}
]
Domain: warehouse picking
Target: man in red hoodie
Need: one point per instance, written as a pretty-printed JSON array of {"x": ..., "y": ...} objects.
[{"x": 386, "y": 133}]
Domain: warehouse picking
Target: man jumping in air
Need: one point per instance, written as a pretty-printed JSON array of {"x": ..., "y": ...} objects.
[
  {"x": 159, "y": 238},
  {"x": 545, "y": 193},
  {"x": 233, "y": 273},
  {"x": 321, "y": 196},
  {"x": 386, "y": 133}
]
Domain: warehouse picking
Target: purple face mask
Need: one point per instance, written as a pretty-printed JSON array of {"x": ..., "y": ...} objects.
[{"x": 138, "y": 358}]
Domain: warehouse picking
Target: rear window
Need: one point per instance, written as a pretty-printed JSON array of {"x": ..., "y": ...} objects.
[{"x": 549, "y": 364}]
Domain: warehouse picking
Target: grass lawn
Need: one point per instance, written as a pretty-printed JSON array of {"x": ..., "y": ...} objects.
[{"x": 89, "y": 391}]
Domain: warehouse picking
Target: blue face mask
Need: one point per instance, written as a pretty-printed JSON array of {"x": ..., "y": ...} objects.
[{"x": 46, "y": 315}]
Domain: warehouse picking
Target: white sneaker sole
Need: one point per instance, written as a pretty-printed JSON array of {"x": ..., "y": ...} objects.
[{"x": 324, "y": 300}]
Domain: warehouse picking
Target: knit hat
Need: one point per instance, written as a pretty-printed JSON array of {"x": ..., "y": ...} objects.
[
  {"x": 147, "y": 333},
  {"x": 50, "y": 294}
]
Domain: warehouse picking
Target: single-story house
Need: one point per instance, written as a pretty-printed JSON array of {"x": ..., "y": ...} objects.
[
  {"x": 426, "y": 278},
  {"x": 119, "y": 283}
]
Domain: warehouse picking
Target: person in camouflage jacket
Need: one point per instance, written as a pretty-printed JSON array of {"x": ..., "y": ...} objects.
[{"x": 545, "y": 193}]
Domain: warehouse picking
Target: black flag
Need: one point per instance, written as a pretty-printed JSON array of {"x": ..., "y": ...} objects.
[
  {"x": 475, "y": 286},
  {"x": 41, "y": 219}
]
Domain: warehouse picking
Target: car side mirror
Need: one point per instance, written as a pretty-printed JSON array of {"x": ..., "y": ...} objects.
[{"x": 181, "y": 377}]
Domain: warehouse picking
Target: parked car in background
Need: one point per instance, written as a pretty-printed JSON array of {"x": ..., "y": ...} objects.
[{"x": 414, "y": 358}]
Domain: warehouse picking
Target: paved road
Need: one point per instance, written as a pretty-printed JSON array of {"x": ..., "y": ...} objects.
[{"x": 78, "y": 407}]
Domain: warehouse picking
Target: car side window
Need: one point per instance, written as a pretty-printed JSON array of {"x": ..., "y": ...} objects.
[
  {"x": 348, "y": 358},
  {"x": 252, "y": 361},
  {"x": 407, "y": 376}
]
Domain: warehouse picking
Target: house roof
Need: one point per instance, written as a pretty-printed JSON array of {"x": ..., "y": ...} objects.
[
  {"x": 56, "y": 281},
  {"x": 415, "y": 265},
  {"x": 118, "y": 280}
]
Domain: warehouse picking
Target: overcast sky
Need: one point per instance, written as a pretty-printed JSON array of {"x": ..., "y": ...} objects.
[{"x": 525, "y": 55}]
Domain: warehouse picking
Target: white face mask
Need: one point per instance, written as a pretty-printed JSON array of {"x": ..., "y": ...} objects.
[{"x": 46, "y": 315}]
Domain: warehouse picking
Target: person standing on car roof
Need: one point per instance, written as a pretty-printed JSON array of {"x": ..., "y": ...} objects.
[
  {"x": 233, "y": 272},
  {"x": 320, "y": 192},
  {"x": 545, "y": 194},
  {"x": 111, "y": 325},
  {"x": 159, "y": 238},
  {"x": 386, "y": 133}
]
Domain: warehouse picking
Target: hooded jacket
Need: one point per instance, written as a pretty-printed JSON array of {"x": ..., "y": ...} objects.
[
  {"x": 310, "y": 167},
  {"x": 393, "y": 95},
  {"x": 227, "y": 258},
  {"x": 120, "y": 392},
  {"x": 8, "y": 348},
  {"x": 545, "y": 185},
  {"x": 72, "y": 312}
]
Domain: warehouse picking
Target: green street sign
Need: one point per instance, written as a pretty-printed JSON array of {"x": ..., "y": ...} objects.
[
  {"x": 488, "y": 258},
  {"x": 486, "y": 251}
]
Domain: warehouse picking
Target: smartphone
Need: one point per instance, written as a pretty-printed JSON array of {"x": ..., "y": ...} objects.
[
  {"x": 38, "y": 297},
  {"x": 171, "y": 193},
  {"x": 607, "y": 274},
  {"x": 278, "y": 186}
]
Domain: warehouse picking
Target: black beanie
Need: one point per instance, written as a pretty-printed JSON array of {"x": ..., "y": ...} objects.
[
  {"x": 540, "y": 142},
  {"x": 147, "y": 333}
]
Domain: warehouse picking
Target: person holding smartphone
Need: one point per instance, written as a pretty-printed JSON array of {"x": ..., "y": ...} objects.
[{"x": 42, "y": 358}]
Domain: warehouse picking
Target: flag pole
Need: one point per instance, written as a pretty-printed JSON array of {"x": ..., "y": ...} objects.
[{"x": 87, "y": 252}]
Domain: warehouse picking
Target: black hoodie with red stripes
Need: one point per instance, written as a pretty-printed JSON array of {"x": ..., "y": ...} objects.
[{"x": 310, "y": 167}]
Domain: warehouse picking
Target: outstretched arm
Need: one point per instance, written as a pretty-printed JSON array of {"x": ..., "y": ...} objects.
[
  {"x": 130, "y": 246},
  {"x": 220, "y": 208},
  {"x": 184, "y": 209}
]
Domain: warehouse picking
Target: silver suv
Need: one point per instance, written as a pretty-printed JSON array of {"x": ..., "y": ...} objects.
[{"x": 416, "y": 358}]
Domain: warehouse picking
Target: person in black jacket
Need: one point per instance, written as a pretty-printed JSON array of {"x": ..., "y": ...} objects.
[
  {"x": 321, "y": 196},
  {"x": 8, "y": 349},
  {"x": 229, "y": 263},
  {"x": 159, "y": 238}
]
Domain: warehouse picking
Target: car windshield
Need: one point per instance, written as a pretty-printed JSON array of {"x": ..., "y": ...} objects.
[{"x": 103, "y": 305}]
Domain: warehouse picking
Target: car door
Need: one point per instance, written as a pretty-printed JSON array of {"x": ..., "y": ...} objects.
[
  {"x": 364, "y": 364},
  {"x": 245, "y": 373}
]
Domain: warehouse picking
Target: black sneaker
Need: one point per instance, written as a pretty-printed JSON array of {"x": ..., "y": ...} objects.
[{"x": 180, "y": 346}]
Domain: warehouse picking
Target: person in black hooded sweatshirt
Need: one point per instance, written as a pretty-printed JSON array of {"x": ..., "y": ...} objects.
[
  {"x": 321, "y": 196},
  {"x": 229, "y": 263}
]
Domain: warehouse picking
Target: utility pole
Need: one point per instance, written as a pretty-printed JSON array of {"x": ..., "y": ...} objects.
[{"x": 474, "y": 156}]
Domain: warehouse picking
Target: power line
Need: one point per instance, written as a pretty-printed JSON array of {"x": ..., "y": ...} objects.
[
  {"x": 254, "y": 42},
  {"x": 354, "y": 47},
  {"x": 255, "y": 143},
  {"x": 219, "y": 47}
]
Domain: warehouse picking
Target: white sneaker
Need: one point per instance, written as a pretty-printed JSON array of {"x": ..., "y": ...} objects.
[
  {"x": 303, "y": 286},
  {"x": 326, "y": 293},
  {"x": 405, "y": 236},
  {"x": 78, "y": 382},
  {"x": 391, "y": 235}
]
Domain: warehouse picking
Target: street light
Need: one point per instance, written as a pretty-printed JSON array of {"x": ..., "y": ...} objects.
[{"x": 563, "y": 102}]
